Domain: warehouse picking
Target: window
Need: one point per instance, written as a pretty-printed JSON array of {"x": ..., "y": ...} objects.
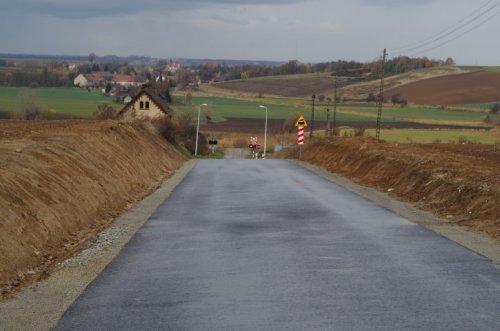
[
  {"x": 147, "y": 104},
  {"x": 141, "y": 105}
]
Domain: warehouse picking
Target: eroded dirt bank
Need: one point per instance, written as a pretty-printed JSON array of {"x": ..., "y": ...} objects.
[
  {"x": 460, "y": 183},
  {"x": 62, "y": 182}
]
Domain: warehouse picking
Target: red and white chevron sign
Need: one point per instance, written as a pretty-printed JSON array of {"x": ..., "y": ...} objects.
[{"x": 300, "y": 137}]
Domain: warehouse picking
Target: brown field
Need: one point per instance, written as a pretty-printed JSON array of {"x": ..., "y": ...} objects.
[
  {"x": 282, "y": 86},
  {"x": 469, "y": 88},
  {"x": 305, "y": 85}
]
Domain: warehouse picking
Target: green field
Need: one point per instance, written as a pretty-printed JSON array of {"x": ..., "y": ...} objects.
[
  {"x": 479, "y": 105},
  {"x": 221, "y": 108},
  {"x": 280, "y": 108},
  {"x": 431, "y": 136},
  {"x": 74, "y": 102}
]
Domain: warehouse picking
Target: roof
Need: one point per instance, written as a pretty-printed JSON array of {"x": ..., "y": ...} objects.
[
  {"x": 161, "y": 103},
  {"x": 122, "y": 78}
]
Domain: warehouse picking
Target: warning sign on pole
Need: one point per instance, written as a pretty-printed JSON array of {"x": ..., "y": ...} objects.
[
  {"x": 300, "y": 137},
  {"x": 301, "y": 122}
]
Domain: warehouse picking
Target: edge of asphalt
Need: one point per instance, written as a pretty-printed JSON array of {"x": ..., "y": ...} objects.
[
  {"x": 41, "y": 305},
  {"x": 476, "y": 242}
]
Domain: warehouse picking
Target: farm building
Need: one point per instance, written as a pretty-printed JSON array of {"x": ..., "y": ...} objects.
[
  {"x": 126, "y": 80},
  {"x": 83, "y": 81},
  {"x": 92, "y": 80},
  {"x": 146, "y": 104}
]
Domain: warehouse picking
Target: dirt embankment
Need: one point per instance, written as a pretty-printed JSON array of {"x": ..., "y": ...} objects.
[
  {"x": 460, "y": 183},
  {"x": 62, "y": 182}
]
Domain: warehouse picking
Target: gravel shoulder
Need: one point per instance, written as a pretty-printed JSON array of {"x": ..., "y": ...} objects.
[
  {"x": 476, "y": 242},
  {"x": 40, "y": 306}
]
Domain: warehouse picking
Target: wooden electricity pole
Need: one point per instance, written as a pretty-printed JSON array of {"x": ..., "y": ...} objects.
[
  {"x": 328, "y": 127},
  {"x": 334, "y": 107},
  {"x": 312, "y": 117},
  {"x": 381, "y": 96}
]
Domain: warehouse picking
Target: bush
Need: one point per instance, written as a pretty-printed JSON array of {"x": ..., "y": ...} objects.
[
  {"x": 28, "y": 113},
  {"x": 371, "y": 97},
  {"x": 486, "y": 119},
  {"x": 495, "y": 108},
  {"x": 5, "y": 115},
  {"x": 167, "y": 128},
  {"x": 396, "y": 99},
  {"x": 105, "y": 112},
  {"x": 359, "y": 132}
]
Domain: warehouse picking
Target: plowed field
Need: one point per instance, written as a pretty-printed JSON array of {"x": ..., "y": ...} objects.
[{"x": 469, "y": 88}]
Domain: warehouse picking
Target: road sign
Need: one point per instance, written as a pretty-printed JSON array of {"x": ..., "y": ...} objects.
[
  {"x": 251, "y": 146},
  {"x": 301, "y": 122},
  {"x": 258, "y": 146},
  {"x": 300, "y": 136}
]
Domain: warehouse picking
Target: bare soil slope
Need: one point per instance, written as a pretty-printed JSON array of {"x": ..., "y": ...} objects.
[
  {"x": 64, "y": 181},
  {"x": 469, "y": 88},
  {"x": 460, "y": 183}
]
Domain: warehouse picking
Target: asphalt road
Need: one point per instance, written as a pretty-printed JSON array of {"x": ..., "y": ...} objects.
[{"x": 268, "y": 245}]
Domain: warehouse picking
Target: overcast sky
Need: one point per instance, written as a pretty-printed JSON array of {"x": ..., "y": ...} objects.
[{"x": 306, "y": 30}]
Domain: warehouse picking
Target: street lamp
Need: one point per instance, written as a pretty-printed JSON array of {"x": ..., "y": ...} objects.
[
  {"x": 265, "y": 133},
  {"x": 198, "y": 128}
]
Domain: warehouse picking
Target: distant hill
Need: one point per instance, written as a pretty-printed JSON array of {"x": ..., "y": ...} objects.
[
  {"x": 304, "y": 85},
  {"x": 131, "y": 59}
]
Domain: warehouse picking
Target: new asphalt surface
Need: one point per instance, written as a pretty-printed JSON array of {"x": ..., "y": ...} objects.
[{"x": 268, "y": 245}]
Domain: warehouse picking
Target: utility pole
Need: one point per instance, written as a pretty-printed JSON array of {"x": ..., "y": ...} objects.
[
  {"x": 312, "y": 117},
  {"x": 328, "y": 117},
  {"x": 334, "y": 107},
  {"x": 381, "y": 96}
]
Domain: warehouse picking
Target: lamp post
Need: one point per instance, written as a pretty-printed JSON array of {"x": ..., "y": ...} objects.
[
  {"x": 198, "y": 128},
  {"x": 265, "y": 132}
]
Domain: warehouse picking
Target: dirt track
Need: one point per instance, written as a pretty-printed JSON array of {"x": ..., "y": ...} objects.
[
  {"x": 64, "y": 181},
  {"x": 460, "y": 183},
  {"x": 469, "y": 88}
]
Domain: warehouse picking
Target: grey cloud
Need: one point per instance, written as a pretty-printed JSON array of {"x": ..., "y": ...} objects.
[{"x": 94, "y": 8}]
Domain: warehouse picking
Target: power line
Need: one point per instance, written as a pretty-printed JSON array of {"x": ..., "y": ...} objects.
[
  {"x": 441, "y": 36},
  {"x": 460, "y": 35},
  {"x": 443, "y": 31}
]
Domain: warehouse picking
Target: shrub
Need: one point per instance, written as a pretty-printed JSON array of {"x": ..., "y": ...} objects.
[
  {"x": 371, "y": 97},
  {"x": 486, "y": 119},
  {"x": 396, "y": 99},
  {"x": 105, "y": 112},
  {"x": 5, "y": 115},
  {"x": 167, "y": 128},
  {"x": 28, "y": 113},
  {"x": 495, "y": 108},
  {"x": 359, "y": 132}
]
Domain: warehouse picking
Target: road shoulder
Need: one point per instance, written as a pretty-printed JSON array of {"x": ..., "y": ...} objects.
[
  {"x": 40, "y": 306},
  {"x": 475, "y": 242}
]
